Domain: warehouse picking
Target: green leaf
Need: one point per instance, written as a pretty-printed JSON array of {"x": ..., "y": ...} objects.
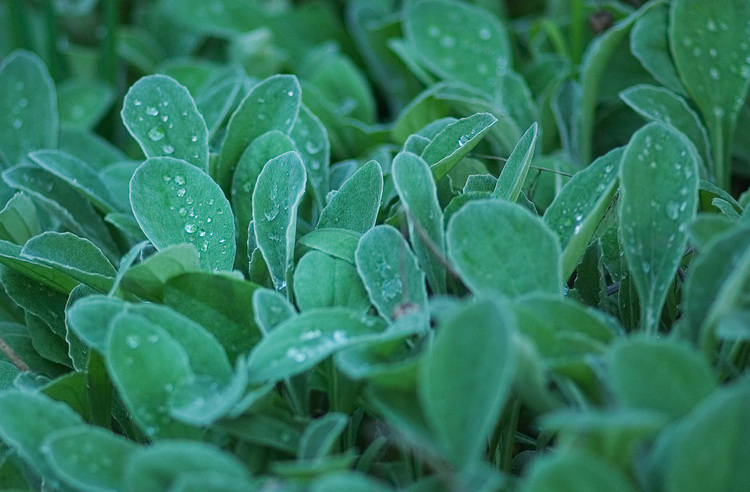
[
  {"x": 311, "y": 139},
  {"x": 321, "y": 280},
  {"x": 658, "y": 197},
  {"x": 83, "y": 102},
  {"x": 320, "y": 437},
  {"x": 89, "y": 458},
  {"x": 716, "y": 285},
  {"x": 500, "y": 246},
  {"x": 593, "y": 67},
  {"x": 303, "y": 341},
  {"x": 19, "y": 220},
  {"x": 147, "y": 279},
  {"x": 270, "y": 309},
  {"x": 720, "y": 423},
  {"x": 389, "y": 271},
  {"x": 273, "y": 104},
  {"x": 175, "y": 202},
  {"x": 659, "y": 104},
  {"x": 516, "y": 168},
  {"x": 264, "y": 148},
  {"x": 28, "y": 105},
  {"x": 138, "y": 347},
  {"x": 577, "y": 210},
  {"x": 77, "y": 174},
  {"x": 416, "y": 187},
  {"x": 278, "y": 193},
  {"x": 89, "y": 319},
  {"x": 458, "y": 41},
  {"x": 710, "y": 49},
  {"x": 156, "y": 468},
  {"x": 355, "y": 206},
  {"x": 162, "y": 116},
  {"x": 89, "y": 147},
  {"x": 28, "y": 419},
  {"x": 463, "y": 401},
  {"x": 455, "y": 141},
  {"x": 649, "y": 42},
  {"x": 61, "y": 200},
  {"x": 76, "y": 257},
  {"x": 222, "y": 304},
  {"x": 662, "y": 375},
  {"x": 575, "y": 471},
  {"x": 339, "y": 243}
]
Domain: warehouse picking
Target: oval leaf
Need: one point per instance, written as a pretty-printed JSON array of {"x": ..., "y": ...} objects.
[
  {"x": 658, "y": 197},
  {"x": 175, "y": 202},
  {"x": 355, "y": 206},
  {"x": 162, "y": 116},
  {"x": 501, "y": 246}
]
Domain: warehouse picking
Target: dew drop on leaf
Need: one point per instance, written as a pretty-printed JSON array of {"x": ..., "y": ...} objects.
[
  {"x": 152, "y": 111},
  {"x": 156, "y": 133}
]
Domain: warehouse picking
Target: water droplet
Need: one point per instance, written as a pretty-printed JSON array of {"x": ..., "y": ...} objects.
[
  {"x": 261, "y": 116},
  {"x": 165, "y": 118},
  {"x": 673, "y": 210},
  {"x": 296, "y": 355},
  {"x": 434, "y": 31},
  {"x": 156, "y": 133},
  {"x": 311, "y": 335},
  {"x": 194, "y": 138},
  {"x": 340, "y": 337},
  {"x": 137, "y": 102},
  {"x": 179, "y": 180},
  {"x": 208, "y": 220},
  {"x": 448, "y": 42},
  {"x": 165, "y": 103},
  {"x": 190, "y": 228},
  {"x": 23, "y": 102},
  {"x": 391, "y": 288},
  {"x": 152, "y": 111},
  {"x": 133, "y": 341},
  {"x": 153, "y": 338},
  {"x": 290, "y": 93},
  {"x": 714, "y": 73},
  {"x": 181, "y": 192},
  {"x": 485, "y": 33},
  {"x": 718, "y": 112},
  {"x": 313, "y": 148},
  {"x": 462, "y": 141},
  {"x": 646, "y": 267},
  {"x": 697, "y": 51},
  {"x": 17, "y": 123},
  {"x": 712, "y": 53},
  {"x": 271, "y": 214},
  {"x": 168, "y": 149},
  {"x": 711, "y": 26}
]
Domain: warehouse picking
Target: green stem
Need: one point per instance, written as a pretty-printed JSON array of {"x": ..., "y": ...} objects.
[
  {"x": 509, "y": 435},
  {"x": 556, "y": 37},
  {"x": 100, "y": 391},
  {"x": 108, "y": 60},
  {"x": 576, "y": 30},
  {"x": 53, "y": 55},
  {"x": 20, "y": 32}
]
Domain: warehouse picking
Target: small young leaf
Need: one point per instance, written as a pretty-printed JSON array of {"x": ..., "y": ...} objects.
[
  {"x": 162, "y": 116},
  {"x": 175, "y": 202},
  {"x": 416, "y": 187},
  {"x": 577, "y": 210},
  {"x": 355, "y": 206},
  {"x": 455, "y": 141},
  {"x": 658, "y": 196},
  {"x": 301, "y": 342},
  {"x": 270, "y": 309},
  {"x": 19, "y": 220},
  {"x": 339, "y": 243},
  {"x": 28, "y": 105},
  {"x": 389, "y": 271},
  {"x": 273, "y": 104},
  {"x": 278, "y": 193},
  {"x": 463, "y": 401},
  {"x": 517, "y": 167},
  {"x": 500, "y": 246},
  {"x": 311, "y": 139},
  {"x": 320, "y": 437}
]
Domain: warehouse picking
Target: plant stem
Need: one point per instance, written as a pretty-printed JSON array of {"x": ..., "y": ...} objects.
[
  {"x": 108, "y": 57},
  {"x": 12, "y": 356},
  {"x": 576, "y": 30},
  {"x": 53, "y": 55},
  {"x": 509, "y": 435},
  {"x": 100, "y": 391},
  {"x": 19, "y": 25}
]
